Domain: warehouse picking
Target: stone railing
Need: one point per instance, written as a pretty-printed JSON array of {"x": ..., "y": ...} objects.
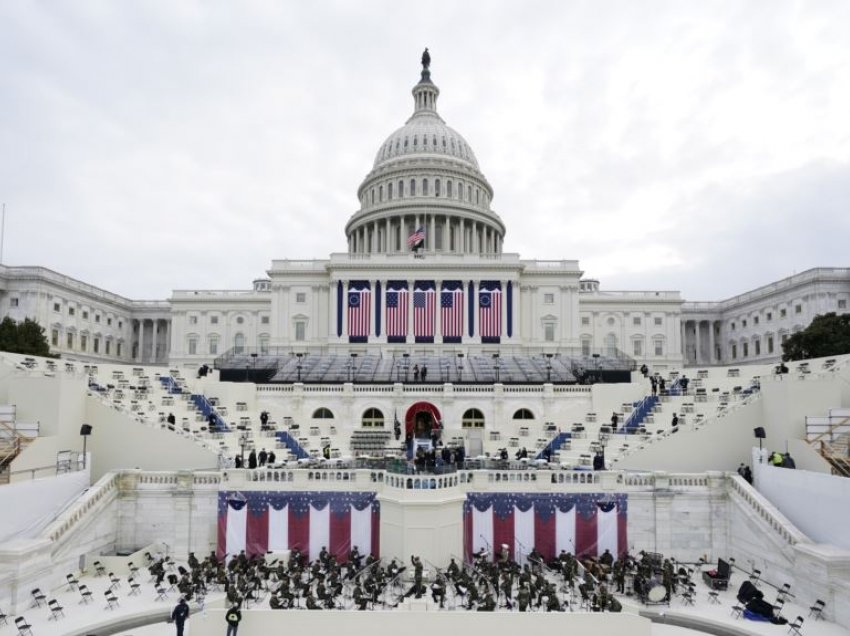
[
  {"x": 90, "y": 504},
  {"x": 750, "y": 497}
]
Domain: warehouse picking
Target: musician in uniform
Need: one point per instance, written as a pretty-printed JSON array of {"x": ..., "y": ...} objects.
[{"x": 523, "y": 597}]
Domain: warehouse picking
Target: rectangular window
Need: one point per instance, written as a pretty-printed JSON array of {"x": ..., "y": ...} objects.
[
  {"x": 585, "y": 320},
  {"x": 71, "y": 311},
  {"x": 300, "y": 331},
  {"x": 54, "y": 337},
  {"x": 549, "y": 332},
  {"x": 118, "y": 349},
  {"x": 213, "y": 346},
  {"x": 638, "y": 347},
  {"x": 659, "y": 347},
  {"x": 70, "y": 341},
  {"x": 120, "y": 325},
  {"x": 757, "y": 346},
  {"x": 301, "y": 297},
  {"x": 213, "y": 320},
  {"x": 636, "y": 321},
  {"x": 784, "y": 337},
  {"x": 549, "y": 299},
  {"x": 756, "y": 320},
  {"x": 743, "y": 324},
  {"x": 585, "y": 347},
  {"x": 85, "y": 315},
  {"x": 96, "y": 345},
  {"x": 109, "y": 322},
  {"x": 193, "y": 320},
  {"x": 769, "y": 316},
  {"x": 770, "y": 344},
  {"x": 733, "y": 326},
  {"x": 782, "y": 313},
  {"x": 842, "y": 304},
  {"x": 734, "y": 351},
  {"x": 264, "y": 345},
  {"x": 108, "y": 347},
  {"x": 798, "y": 309},
  {"x": 57, "y": 307},
  {"x": 84, "y": 341},
  {"x": 264, "y": 320},
  {"x": 193, "y": 346},
  {"x": 14, "y": 302},
  {"x": 745, "y": 349},
  {"x": 658, "y": 321}
]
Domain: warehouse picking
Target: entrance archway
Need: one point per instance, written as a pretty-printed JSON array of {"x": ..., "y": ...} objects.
[{"x": 421, "y": 418}]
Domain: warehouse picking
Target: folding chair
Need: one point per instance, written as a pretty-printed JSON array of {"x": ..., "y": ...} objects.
[
  {"x": 114, "y": 582},
  {"x": 778, "y": 605},
  {"x": 56, "y": 610},
  {"x": 794, "y": 628},
  {"x": 73, "y": 582},
  {"x": 99, "y": 569},
  {"x": 85, "y": 592},
  {"x": 713, "y": 597},
  {"x": 24, "y": 628},
  {"x": 816, "y": 610},
  {"x": 38, "y": 598},
  {"x": 135, "y": 587},
  {"x": 161, "y": 594},
  {"x": 784, "y": 592},
  {"x": 737, "y": 611},
  {"x": 3, "y": 618},
  {"x": 111, "y": 600}
]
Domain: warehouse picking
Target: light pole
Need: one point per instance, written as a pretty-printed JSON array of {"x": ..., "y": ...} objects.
[
  {"x": 298, "y": 364},
  {"x": 548, "y": 367},
  {"x": 406, "y": 364},
  {"x": 85, "y": 431},
  {"x": 496, "y": 365},
  {"x": 459, "y": 367}
]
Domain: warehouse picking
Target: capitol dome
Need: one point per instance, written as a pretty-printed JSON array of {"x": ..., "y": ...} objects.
[{"x": 425, "y": 178}]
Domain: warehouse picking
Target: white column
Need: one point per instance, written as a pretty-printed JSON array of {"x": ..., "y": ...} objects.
[
  {"x": 387, "y": 235},
  {"x": 155, "y": 338},
  {"x": 711, "y": 356},
  {"x": 698, "y": 342},
  {"x": 432, "y": 241},
  {"x": 142, "y": 340}
]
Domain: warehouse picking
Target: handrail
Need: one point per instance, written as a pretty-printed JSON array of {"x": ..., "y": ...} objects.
[
  {"x": 787, "y": 531},
  {"x": 831, "y": 429}
]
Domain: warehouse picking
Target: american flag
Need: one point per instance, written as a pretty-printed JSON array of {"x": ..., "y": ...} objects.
[
  {"x": 451, "y": 311},
  {"x": 423, "y": 311},
  {"x": 582, "y": 524},
  {"x": 415, "y": 239},
  {"x": 263, "y": 521},
  {"x": 397, "y": 301},
  {"x": 359, "y": 309},
  {"x": 490, "y": 313}
]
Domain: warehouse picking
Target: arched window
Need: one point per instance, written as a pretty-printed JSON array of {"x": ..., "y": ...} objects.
[
  {"x": 444, "y": 143},
  {"x": 449, "y": 191},
  {"x": 472, "y": 418},
  {"x": 424, "y": 187},
  {"x": 477, "y": 196},
  {"x": 437, "y": 187},
  {"x": 380, "y": 193},
  {"x": 405, "y": 142},
  {"x": 372, "y": 418},
  {"x": 239, "y": 343},
  {"x": 390, "y": 191},
  {"x": 523, "y": 414},
  {"x": 413, "y": 187},
  {"x": 323, "y": 414},
  {"x": 469, "y": 193},
  {"x": 373, "y": 196},
  {"x": 415, "y": 141},
  {"x": 400, "y": 189}
]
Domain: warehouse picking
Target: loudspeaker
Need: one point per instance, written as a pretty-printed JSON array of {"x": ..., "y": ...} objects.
[
  {"x": 85, "y": 429},
  {"x": 759, "y": 432}
]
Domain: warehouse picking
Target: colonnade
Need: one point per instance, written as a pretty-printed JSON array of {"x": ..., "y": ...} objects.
[{"x": 450, "y": 234}]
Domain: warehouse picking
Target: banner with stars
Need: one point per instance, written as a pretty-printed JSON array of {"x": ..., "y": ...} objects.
[
  {"x": 263, "y": 521},
  {"x": 582, "y": 524}
]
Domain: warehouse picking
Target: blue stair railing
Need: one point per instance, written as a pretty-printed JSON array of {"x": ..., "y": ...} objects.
[
  {"x": 638, "y": 415},
  {"x": 217, "y": 424},
  {"x": 292, "y": 444},
  {"x": 553, "y": 445},
  {"x": 170, "y": 385}
]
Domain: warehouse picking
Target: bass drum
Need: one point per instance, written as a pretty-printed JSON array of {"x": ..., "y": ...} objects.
[{"x": 656, "y": 592}]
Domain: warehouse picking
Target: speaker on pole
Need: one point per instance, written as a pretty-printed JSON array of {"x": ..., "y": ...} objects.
[
  {"x": 759, "y": 432},
  {"x": 85, "y": 429}
]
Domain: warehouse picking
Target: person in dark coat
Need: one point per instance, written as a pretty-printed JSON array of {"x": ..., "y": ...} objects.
[
  {"x": 252, "y": 459},
  {"x": 233, "y": 616},
  {"x": 179, "y": 615},
  {"x": 262, "y": 457}
]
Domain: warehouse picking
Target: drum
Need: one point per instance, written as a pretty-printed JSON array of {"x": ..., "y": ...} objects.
[{"x": 655, "y": 592}]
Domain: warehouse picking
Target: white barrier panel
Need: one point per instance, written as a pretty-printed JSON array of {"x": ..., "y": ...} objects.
[
  {"x": 419, "y": 623},
  {"x": 29, "y": 505}
]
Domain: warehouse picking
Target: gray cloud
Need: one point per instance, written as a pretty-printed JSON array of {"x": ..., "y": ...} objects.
[{"x": 147, "y": 146}]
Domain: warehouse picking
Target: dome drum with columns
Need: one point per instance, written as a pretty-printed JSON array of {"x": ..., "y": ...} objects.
[{"x": 425, "y": 176}]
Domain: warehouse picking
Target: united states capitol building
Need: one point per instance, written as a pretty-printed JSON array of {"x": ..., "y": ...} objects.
[
  {"x": 434, "y": 299},
  {"x": 323, "y": 362}
]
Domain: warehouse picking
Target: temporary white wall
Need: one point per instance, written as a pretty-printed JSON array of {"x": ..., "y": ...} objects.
[
  {"x": 29, "y": 505},
  {"x": 825, "y": 517}
]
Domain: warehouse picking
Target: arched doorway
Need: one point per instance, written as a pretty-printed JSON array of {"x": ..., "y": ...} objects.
[{"x": 421, "y": 418}]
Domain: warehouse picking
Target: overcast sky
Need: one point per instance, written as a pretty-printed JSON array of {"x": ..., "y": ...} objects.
[{"x": 698, "y": 146}]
